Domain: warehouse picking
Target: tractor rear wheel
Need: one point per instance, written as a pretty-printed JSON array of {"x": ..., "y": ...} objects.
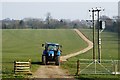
[
  {"x": 44, "y": 59},
  {"x": 57, "y": 61}
]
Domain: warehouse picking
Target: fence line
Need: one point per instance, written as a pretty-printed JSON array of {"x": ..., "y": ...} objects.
[{"x": 88, "y": 66}]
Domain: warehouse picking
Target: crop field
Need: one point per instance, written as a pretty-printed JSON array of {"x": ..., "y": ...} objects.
[
  {"x": 26, "y": 44},
  {"x": 21, "y": 45},
  {"x": 109, "y": 52},
  {"x": 109, "y": 44}
]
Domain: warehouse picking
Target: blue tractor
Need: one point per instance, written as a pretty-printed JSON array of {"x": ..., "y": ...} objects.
[{"x": 51, "y": 53}]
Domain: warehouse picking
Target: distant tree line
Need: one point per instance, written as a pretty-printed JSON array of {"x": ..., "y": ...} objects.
[
  {"x": 29, "y": 23},
  {"x": 37, "y": 23},
  {"x": 112, "y": 25},
  {"x": 50, "y": 23}
]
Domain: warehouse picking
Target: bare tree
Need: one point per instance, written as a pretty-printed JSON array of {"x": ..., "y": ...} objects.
[{"x": 48, "y": 17}]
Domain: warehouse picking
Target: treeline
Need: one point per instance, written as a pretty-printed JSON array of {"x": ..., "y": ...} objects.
[
  {"x": 50, "y": 23},
  {"x": 31, "y": 23},
  {"x": 112, "y": 25},
  {"x": 37, "y": 23}
]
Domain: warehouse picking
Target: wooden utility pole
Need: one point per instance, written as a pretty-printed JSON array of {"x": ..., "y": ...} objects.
[
  {"x": 99, "y": 37},
  {"x": 99, "y": 44},
  {"x": 94, "y": 55}
]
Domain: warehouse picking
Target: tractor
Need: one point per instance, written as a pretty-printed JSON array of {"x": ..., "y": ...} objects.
[{"x": 51, "y": 53}]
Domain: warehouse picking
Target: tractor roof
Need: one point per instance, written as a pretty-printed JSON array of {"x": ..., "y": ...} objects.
[{"x": 52, "y": 43}]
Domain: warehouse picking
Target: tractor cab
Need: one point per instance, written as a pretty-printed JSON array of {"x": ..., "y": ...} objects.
[{"x": 51, "y": 52}]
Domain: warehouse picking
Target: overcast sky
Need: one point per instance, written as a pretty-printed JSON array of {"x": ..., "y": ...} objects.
[{"x": 58, "y": 10}]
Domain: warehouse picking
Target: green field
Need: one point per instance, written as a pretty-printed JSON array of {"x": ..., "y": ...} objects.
[
  {"x": 109, "y": 52},
  {"x": 109, "y": 44},
  {"x": 26, "y": 44}
]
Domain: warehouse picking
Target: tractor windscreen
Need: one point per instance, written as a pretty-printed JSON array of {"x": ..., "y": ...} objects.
[{"x": 52, "y": 47}]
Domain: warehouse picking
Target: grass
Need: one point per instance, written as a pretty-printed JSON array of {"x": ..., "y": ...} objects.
[
  {"x": 109, "y": 52},
  {"x": 26, "y": 44},
  {"x": 98, "y": 77},
  {"x": 109, "y": 44}
]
